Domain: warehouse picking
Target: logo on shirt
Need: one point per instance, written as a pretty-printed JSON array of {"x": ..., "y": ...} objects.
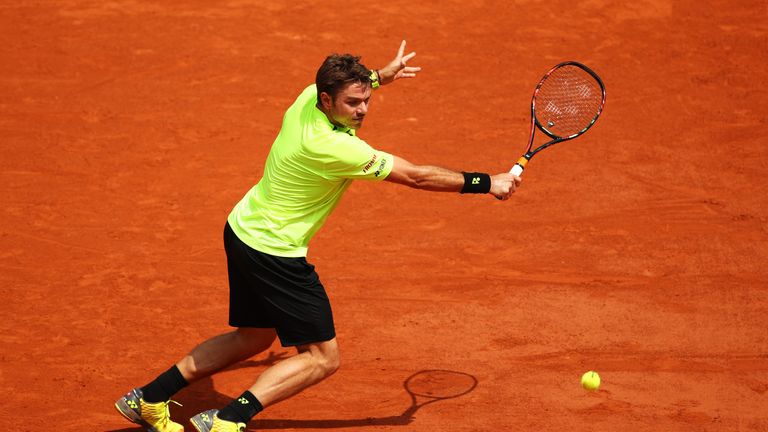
[
  {"x": 369, "y": 164},
  {"x": 381, "y": 167}
]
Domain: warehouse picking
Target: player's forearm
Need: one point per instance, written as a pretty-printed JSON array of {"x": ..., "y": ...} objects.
[
  {"x": 434, "y": 178},
  {"x": 426, "y": 177}
]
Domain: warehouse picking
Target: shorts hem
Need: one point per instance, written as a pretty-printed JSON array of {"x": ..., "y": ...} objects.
[
  {"x": 284, "y": 342},
  {"x": 290, "y": 343},
  {"x": 259, "y": 326}
]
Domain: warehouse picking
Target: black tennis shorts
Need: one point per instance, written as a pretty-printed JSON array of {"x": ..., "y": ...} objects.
[{"x": 267, "y": 291}]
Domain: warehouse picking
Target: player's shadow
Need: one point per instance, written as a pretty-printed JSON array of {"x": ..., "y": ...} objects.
[{"x": 202, "y": 395}]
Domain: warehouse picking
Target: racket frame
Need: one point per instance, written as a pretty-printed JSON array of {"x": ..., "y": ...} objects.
[{"x": 520, "y": 165}]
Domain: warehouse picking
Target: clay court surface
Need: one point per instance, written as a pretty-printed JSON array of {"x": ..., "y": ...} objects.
[{"x": 129, "y": 129}]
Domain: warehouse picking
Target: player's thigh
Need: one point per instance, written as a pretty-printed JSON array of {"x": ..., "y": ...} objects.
[{"x": 256, "y": 339}]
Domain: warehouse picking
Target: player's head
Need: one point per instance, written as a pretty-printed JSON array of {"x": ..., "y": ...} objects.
[
  {"x": 338, "y": 71},
  {"x": 343, "y": 90}
]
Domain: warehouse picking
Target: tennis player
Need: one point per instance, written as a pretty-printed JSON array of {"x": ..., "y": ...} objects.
[{"x": 274, "y": 291}]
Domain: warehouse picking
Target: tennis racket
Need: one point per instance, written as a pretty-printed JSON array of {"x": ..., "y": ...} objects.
[
  {"x": 565, "y": 104},
  {"x": 430, "y": 386}
]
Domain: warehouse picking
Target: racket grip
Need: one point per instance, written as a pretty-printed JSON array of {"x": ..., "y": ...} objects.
[{"x": 519, "y": 166}]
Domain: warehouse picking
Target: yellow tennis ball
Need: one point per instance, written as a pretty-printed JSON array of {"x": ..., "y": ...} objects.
[{"x": 590, "y": 381}]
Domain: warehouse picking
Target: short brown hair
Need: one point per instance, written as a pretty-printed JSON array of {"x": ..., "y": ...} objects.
[{"x": 337, "y": 71}]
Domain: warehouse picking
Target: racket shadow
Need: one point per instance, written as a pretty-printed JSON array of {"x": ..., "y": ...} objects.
[{"x": 424, "y": 388}]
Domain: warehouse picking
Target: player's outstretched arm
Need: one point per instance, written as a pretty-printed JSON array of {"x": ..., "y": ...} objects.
[
  {"x": 438, "y": 179},
  {"x": 398, "y": 67}
]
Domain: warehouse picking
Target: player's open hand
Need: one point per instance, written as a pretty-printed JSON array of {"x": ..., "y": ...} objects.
[
  {"x": 398, "y": 68},
  {"x": 504, "y": 185}
]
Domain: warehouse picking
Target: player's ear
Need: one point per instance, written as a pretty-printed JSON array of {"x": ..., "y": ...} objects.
[{"x": 325, "y": 100}]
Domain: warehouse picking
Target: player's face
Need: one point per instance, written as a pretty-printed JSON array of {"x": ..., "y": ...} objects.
[{"x": 350, "y": 106}]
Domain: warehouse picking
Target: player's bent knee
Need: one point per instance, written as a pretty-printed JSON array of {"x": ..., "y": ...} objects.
[
  {"x": 331, "y": 363},
  {"x": 326, "y": 356},
  {"x": 327, "y": 360}
]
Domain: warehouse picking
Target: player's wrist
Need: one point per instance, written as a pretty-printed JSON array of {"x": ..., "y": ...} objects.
[
  {"x": 475, "y": 182},
  {"x": 375, "y": 79}
]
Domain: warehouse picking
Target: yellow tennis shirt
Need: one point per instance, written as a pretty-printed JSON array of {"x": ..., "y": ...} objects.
[{"x": 310, "y": 166}]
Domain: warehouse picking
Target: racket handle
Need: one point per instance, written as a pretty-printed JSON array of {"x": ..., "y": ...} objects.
[{"x": 519, "y": 166}]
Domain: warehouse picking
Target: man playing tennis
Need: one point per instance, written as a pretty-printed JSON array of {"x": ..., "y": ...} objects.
[{"x": 274, "y": 291}]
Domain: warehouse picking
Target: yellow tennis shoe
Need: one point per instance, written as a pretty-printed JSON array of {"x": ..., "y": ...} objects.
[
  {"x": 208, "y": 421},
  {"x": 154, "y": 417}
]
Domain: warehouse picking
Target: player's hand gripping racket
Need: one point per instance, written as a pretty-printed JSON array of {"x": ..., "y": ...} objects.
[{"x": 565, "y": 104}]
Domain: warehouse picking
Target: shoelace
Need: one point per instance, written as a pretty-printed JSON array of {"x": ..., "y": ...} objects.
[{"x": 161, "y": 412}]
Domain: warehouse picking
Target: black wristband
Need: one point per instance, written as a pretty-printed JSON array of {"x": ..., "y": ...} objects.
[{"x": 475, "y": 182}]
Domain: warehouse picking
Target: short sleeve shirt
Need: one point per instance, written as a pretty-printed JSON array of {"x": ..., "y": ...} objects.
[{"x": 310, "y": 166}]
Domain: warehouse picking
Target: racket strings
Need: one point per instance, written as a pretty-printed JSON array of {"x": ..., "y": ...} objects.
[{"x": 567, "y": 101}]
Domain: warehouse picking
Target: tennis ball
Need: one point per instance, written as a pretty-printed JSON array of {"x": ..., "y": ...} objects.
[{"x": 590, "y": 381}]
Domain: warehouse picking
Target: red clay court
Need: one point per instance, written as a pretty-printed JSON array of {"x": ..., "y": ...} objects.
[{"x": 129, "y": 129}]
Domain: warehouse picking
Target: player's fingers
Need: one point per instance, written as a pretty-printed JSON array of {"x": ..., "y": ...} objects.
[
  {"x": 504, "y": 193},
  {"x": 408, "y": 57},
  {"x": 407, "y": 73},
  {"x": 401, "y": 50}
]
